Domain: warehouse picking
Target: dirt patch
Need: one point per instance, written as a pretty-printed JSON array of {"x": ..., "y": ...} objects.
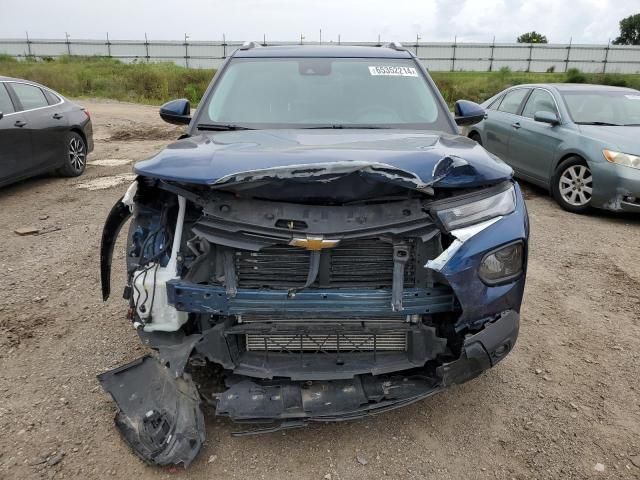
[
  {"x": 109, "y": 162},
  {"x": 564, "y": 405},
  {"x": 143, "y": 132},
  {"x": 102, "y": 183}
]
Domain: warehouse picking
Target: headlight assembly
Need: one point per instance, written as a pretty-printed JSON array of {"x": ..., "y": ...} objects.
[
  {"x": 476, "y": 211},
  {"x": 626, "y": 159},
  {"x": 503, "y": 264}
]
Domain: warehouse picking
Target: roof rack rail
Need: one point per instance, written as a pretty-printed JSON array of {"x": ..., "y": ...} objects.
[
  {"x": 250, "y": 45},
  {"x": 394, "y": 45}
]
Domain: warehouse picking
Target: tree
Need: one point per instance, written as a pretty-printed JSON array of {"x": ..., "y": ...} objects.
[
  {"x": 532, "y": 37},
  {"x": 629, "y": 31}
]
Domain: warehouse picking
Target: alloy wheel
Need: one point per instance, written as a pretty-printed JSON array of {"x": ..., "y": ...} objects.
[
  {"x": 77, "y": 155},
  {"x": 576, "y": 185}
]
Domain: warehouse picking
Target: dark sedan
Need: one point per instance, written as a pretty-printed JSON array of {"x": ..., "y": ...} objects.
[{"x": 40, "y": 132}]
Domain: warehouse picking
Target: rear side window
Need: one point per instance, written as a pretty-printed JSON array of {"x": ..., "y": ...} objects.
[
  {"x": 539, "y": 101},
  {"x": 513, "y": 100},
  {"x": 494, "y": 105},
  {"x": 6, "y": 106},
  {"x": 51, "y": 98},
  {"x": 30, "y": 97}
]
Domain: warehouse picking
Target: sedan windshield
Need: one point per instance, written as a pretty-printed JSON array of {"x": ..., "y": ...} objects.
[
  {"x": 605, "y": 107},
  {"x": 322, "y": 93}
]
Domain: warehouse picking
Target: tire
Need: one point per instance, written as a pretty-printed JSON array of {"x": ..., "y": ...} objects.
[
  {"x": 572, "y": 185},
  {"x": 476, "y": 137},
  {"x": 76, "y": 157}
]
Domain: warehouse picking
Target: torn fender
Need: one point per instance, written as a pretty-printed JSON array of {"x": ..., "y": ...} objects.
[
  {"x": 159, "y": 415},
  {"x": 117, "y": 217}
]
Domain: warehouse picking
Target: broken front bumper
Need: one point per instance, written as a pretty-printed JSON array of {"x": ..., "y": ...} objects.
[{"x": 161, "y": 419}]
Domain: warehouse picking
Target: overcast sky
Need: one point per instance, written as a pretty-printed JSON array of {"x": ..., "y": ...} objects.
[{"x": 586, "y": 21}]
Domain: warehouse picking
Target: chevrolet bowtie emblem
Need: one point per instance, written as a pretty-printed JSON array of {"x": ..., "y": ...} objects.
[{"x": 314, "y": 243}]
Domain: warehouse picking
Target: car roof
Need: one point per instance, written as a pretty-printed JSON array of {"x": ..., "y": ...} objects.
[
  {"x": 4, "y": 79},
  {"x": 326, "y": 51},
  {"x": 565, "y": 87}
]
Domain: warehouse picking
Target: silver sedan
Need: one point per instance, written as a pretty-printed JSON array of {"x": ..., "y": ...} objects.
[{"x": 582, "y": 142}]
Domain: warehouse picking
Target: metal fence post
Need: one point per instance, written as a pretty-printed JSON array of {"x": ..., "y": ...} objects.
[
  {"x": 417, "y": 44},
  {"x": 530, "y": 54},
  {"x": 68, "y": 43},
  {"x": 606, "y": 57},
  {"x": 108, "y": 46},
  {"x": 146, "y": 46},
  {"x": 453, "y": 59},
  {"x": 493, "y": 46},
  {"x": 28, "y": 45},
  {"x": 566, "y": 62},
  {"x": 224, "y": 46},
  {"x": 186, "y": 50}
]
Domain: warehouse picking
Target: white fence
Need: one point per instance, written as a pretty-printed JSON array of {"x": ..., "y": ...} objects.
[{"x": 435, "y": 56}]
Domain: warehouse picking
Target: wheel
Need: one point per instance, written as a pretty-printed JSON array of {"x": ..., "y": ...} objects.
[
  {"x": 76, "y": 159},
  {"x": 572, "y": 185},
  {"x": 475, "y": 136}
]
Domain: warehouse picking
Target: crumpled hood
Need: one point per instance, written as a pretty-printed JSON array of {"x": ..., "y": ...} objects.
[{"x": 421, "y": 159}]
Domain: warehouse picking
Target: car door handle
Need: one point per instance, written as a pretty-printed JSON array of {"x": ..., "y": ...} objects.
[
  {"x": 57, "y": 116},
  {"x": 516, "y": 125},
  {"x": 19, "y": 123}
]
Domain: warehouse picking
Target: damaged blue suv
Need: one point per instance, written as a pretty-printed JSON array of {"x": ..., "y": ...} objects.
[{"x": 320, "y": 245}]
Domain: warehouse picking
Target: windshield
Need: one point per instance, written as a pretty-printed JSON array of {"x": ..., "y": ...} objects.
[
  {"x": 605, "y": 107},
  {"x": 323, "y": 93}
]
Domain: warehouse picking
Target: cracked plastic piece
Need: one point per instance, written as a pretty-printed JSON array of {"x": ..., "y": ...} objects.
[
  {"x": 159, "y": 415},
  {"x": 118, "y": 216}
]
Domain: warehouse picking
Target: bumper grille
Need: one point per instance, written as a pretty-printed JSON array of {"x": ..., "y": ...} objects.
[
  {"x": 363, "y": 263},
  {"x": 317, "y": 343}
]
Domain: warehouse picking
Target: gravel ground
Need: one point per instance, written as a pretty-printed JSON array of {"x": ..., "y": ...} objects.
[{"x": 565, "y": 404}]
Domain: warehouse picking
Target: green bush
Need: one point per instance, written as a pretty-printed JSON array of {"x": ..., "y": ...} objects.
[{"x": 575, "y": 76}]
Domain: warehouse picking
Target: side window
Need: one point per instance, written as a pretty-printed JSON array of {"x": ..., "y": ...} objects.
[
  {"x": 29, "y": 96},
  {"x": 51, "y": 98},
  {"x": 494, "y": 105},
  {"x": 512, "y": 100},
  {"x": 539, "y": 101},
  {"x": 6, "y": 105}
]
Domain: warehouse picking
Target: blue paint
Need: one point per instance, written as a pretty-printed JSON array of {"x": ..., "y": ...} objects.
[{"x": 446, "y": 161}]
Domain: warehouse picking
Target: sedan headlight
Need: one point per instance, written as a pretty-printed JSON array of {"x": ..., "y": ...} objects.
[
  {"x": 476, "y": 211},
  {"x": 626, "y": 159}
]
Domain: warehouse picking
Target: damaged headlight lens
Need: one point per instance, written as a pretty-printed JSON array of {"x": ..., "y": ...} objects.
[
  {"x": 503, "y": 264},
  {"x": 478, "y": 211},
  {"x": 626, "y": 159}
]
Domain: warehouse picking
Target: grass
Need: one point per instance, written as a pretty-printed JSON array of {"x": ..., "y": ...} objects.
[
  {"x": 103, "y": 77},
  {"x": 155, "y": 83}
]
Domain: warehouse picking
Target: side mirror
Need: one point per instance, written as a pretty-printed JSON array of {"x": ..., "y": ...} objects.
[
  {"x": 468, "y": 113},
  {"x": 546, "y": 117},
  {"x": 177, "y": 112}
]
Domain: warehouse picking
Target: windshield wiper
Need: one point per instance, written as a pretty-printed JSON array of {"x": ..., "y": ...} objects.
[
  {"x": 606, "y": 124},
  {"x": 221, "y": 127},
  {"x": 341, "y": 126}
]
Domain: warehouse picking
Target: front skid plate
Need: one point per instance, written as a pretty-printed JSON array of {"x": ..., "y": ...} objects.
[
  {"x": 327, "y": 401},
  {"x": 159, "y": 415}
]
